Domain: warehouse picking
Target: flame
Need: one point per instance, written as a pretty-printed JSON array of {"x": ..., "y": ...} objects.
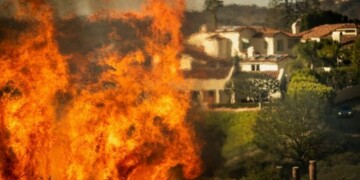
[{"x": 129, "y": 124}]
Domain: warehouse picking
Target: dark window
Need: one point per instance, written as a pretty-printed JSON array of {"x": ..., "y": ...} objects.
[
  {"x": 255, "y": 67},
  {"x": 280, "y": 45}
]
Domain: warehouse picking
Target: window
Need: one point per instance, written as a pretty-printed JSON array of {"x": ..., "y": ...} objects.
[
  {"x": 255, "y": 67},
  {"x": 280, "y": 45},
  {"x": 265, "y": 45}
]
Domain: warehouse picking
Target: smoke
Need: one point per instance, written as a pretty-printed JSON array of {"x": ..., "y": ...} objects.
[{"x": 86, "y": 7}]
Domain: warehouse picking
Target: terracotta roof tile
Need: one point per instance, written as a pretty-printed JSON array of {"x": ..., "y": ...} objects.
[
  {"x": 345, "y": 40},
  {"x": 208, "y": 73},
  {"x": 271, "y": 74},
  {"x": 260, "y": 30},
  {"x": 324, "y": 30},
  {"x": 266, "y": 58}
]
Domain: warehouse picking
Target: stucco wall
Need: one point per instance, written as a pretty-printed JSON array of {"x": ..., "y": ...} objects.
[
  {"x": 270, "y": 42},
  {"x": 258, "y": 44},
  {"x": 234, "y": 38},
  {"x": 211, "y": 47},
  {"x": 263, "y": 66},
  {"x": 284, "y": 38},
  {"x": 185, "y": 62},
  {"x": 245, "y": 36}
]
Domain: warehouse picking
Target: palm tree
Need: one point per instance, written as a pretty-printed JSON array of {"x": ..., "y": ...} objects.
[{"x": 212, "y": 6}]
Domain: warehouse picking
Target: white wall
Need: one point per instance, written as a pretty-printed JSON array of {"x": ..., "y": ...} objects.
[
  {"x": 271, "y": 48},
  {"x": 263, "y": 66},
  {"x": 185, "y": 62},
  {"x": 234, "y": 38}
]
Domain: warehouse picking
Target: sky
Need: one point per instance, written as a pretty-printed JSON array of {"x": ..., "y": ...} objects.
[
  {"x": 85, "y": 7},
  {"x": 199, "y": 4}
]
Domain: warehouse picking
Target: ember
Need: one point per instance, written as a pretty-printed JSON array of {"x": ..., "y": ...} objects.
[{"x": 128, "y": 124}]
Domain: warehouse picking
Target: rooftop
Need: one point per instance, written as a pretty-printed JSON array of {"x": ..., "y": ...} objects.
[
  {"x": 326, "y": 29},
  {"x": 266, "y": 58}
]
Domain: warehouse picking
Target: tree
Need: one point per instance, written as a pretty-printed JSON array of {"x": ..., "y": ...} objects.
[
  {"x": 295, "y": 128},
  {"x": 317, "y": 18},
  {"x": 284, "y": 12},
  {"x": 212, "y": 6},
  {"x": 254, "y": 86},
  {"x": 313, "y": 53},
  {"x": 306, "y": 81}
]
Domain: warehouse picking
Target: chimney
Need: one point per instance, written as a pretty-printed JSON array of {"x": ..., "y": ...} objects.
[
  {"x": 336, "y": 36},
  {"x": 295, "y": 27},
  {"x": 312, "y": 170},
  {"x": 203, "y": 28},
  {"x": 250, "y": 52}
]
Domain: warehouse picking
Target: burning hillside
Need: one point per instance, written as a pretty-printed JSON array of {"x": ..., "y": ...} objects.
[{"x": 127, "y": 122}]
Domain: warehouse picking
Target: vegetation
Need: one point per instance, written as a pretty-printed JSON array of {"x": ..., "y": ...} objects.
[
  {"x": 295, "y": 129},
  {"x": 254, "y": 86},
  {"x": 237, "y": 126},
  {"x": 212, "y": 6},
  {"x": 317, "y": 18},
  {"x": 312, "y": 53},
  {"x": 306, "y": 81},
  {"x": 284, "y": 13}
]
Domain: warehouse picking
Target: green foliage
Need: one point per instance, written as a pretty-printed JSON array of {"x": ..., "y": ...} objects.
[
  {"x": 317, "y": 18},
  {"x": 268, "y": 173},
  {"x": 340, "y": 166},
  {"x": 295, "y": 128},
  {"x": 306, "y": 81},
  {"x": 355, "y": 55},
  {"x": 212, "y": 6},
  {"x": 237, "y": 126},
  {"x": 313, "y": 53},
  {"x": 284, "y": 12},
  {"x": 255, "y": 86},
  {"x": 340, "y": 78}
]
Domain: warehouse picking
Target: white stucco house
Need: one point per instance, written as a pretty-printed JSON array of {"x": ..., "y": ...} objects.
[
  {"x": 236, "y": 40},
  {"x": 207, "y": 76},
  {"x": 344, "y": 33}
]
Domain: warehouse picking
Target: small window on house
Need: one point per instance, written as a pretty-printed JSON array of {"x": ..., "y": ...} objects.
[
  {"x": 255, "y": 67},
  {"x": 280, "y": 45},
  {"x": 350, "y": 31},
  {"x": 265, "y": 45}
]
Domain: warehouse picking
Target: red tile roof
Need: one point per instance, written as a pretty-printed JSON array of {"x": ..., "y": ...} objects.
[
  {"x": 271, "y": 74},
  {"x": 207, "y": 73},
  {"x": 325, "y": 30},
  {"x": 204, "y": 66},
  {"x": 260, "y": 31},
  {"x": 345, "y": 40},
  {"x": 266, "y": 58}
]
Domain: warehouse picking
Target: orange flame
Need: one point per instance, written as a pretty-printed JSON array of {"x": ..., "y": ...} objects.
[{"x": 128, "y": 125}]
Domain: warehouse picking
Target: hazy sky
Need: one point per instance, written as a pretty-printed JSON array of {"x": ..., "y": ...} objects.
[
  {"x": 85, "y": 7},
  {"x": 199, "y": 4}
]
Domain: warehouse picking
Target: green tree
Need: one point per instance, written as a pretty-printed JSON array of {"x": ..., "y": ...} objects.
[
  {"x": 306, "y": 81},
  {"x": 295, "y": 128},
  {"x": 317, "y": 18},
  {"x": 312, "y": 53},
  {"x": 284, "y": 12},
  {"x": 212, "y": 6},
  {"x": 254, "y": 86},
  {"x": 355, "y": 56}
]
